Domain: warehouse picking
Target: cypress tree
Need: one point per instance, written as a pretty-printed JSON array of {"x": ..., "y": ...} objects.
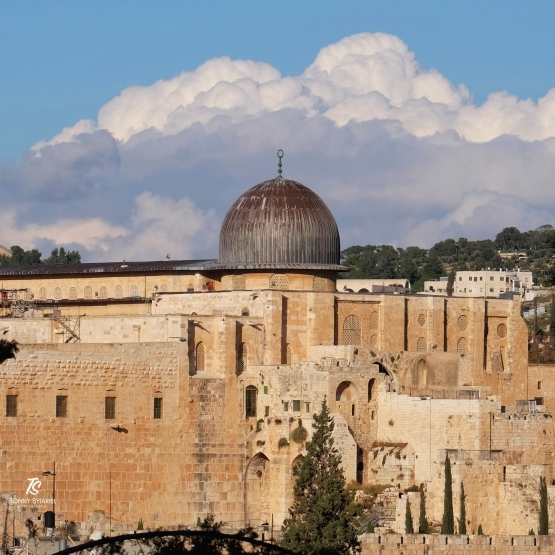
[
  {"x": 448, "y": 523},
  {"x": 423, "y": 525},
  {"x": 462, "y": 519},
  {"x": 552, "y": 321},
  {"x": 409, "y": 527},
  {"x": 450, "y": 283},
  {"x": 480, "y": 530},
  {"x": 544, "y": 515},
  {"x": 322, "y": 517}
]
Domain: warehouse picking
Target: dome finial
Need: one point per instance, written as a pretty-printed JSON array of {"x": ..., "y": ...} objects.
[{"x": 280, "y": 156}]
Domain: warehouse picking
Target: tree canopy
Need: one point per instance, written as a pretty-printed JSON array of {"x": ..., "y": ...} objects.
[
  {"x": 8, "y": 349},
  {"x": 33, "y": 256},
  {"x": 323, "y": 517}
]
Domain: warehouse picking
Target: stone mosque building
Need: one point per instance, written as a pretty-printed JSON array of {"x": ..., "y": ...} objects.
[{"x": 165, "y": 391}]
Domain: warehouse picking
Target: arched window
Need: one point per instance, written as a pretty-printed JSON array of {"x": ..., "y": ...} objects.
[
  {"x": 319, "y": 284},
  {"x": 351, "y": 331},
  {"x": 163, "y": 288},
  {"x": 421, "y": 344},
  {"x": 200, "y": 357},
  {"x": 421, "y": 373},
  {"x": 242, "y": 359},
  {"x": 250, "y": 400},
  {"x": 286, "y": 354},
  {"x": 134, "y": 291},
  {"x": 346, "y": 391},
  {"x": 461, "y": 345},
  {"x": 190, "y": 288},
  {"x": 42, "y": 294},
  {"x": 119, "y": 292},
  {"x": 279, "y": 281},
  {"x": 371, "y": 386},
  {"x": 57, "y": 294},
  {"x": 72, "y": 293},
  {"x": 245, "y": 311},
  {"x": 238, "y": 282},
  {"x": 88, "y": 292},
  {"x": 103, "y": 294}
]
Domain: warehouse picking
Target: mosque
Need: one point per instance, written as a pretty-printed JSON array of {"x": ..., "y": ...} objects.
[{"x": 168, "y": 390}]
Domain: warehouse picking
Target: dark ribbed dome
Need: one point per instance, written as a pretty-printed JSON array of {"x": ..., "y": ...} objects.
[{"x": 279, "y": 222}]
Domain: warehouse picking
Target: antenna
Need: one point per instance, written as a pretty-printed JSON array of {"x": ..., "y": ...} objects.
[{"x": 280, "y": 156}]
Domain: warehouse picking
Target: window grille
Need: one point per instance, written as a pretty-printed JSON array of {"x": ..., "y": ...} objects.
[
  {"x": 42, "y": 294},
  {"x": 238, "y": 282},
  {"x": 351, "y": 331},
  {"x": 88, "y": 292},
  {"x": 462, "y": 322},
  {"x": 462, "y": 345},
  {"x": 61, "y": 406},
  {"x": 286, "y": 354},
  {"x": 279, "y": 281},
  {"x": 119, "y": 292},
  {"x": 72, "y": 294},
  {"x": 421, "y": 344},
  {"x": 200, "y": 357},
  {"x": 109, "y": 408},
  {"x": 374, "y": 321},
  {"x": 319, "y": 284},
  {"x": 250, "y": 401},
  {"x": 57, "y": 294},
  {"x": 11, "y": 405},
  {"x": 158, "y": 402},
  {"x": 374, "y": 341},
  {"x": 103, "y": 294},
  {"x": 307, "y": 408},
  {"x": 421, "y": 319},
  {"x": 501, "y": 330},
  {"x": 242, "y": 359}
]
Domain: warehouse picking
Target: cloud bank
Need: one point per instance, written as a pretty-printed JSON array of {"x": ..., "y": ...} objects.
[{"x": 400, "y": 154}]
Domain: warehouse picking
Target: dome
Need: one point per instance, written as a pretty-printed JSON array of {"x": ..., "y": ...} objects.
[{"x": 279, "y": 223}]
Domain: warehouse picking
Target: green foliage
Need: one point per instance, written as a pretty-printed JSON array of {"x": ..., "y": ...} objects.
[
  {"x": 450, "y": 284},
  {"x": 423, "y": 524},
  {"x": 8, "y": 349},
  {"x": 62, "y": 256},
  {"x": 543, "y": 529},
  {"x": 480, "y": 530},
  {"x": 323, "y": 516},
  {"x": 140, "y": 525},
  {"x": 299, "y": 435},
  {"x": 33, "y": 256},
  {"x": 282, "y": 442},
  {"x": 370, "y": 528},
  {"x": 448, "y": 522},
  {"x": 531, "y": 532},
  {"x": 409, "y": 527},
  {"x": 552, "y": 320},
  {"x": 462, "y": 517}
]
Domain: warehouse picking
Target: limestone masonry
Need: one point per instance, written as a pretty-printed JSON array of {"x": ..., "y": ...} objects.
[{"x": 165, "y": 391}]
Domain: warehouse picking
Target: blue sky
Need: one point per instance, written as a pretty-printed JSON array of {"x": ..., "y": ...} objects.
[
  {"x": 129, "y": 128},
  {"x": 62, "y": 60}
]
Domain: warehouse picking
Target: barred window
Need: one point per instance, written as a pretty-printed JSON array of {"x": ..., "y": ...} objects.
[
  {"x": 421, "y": 319},
  {"x": 158, "y": 403},
  {"x": 286, "y": 354},
  {"x": 57, "y": 294},
  {"x": 109, "y": 408},
  {"x": 238, "y": 282},
  {"x": 11, "y": 405},
  {"x": 351, "y": 331},
  {"x": 88, "y": 292},
  {"x": 242, "y": 359},
  {"x": 462, "y": 345},
  {"x": 119, "y": 292},
  {"x": 502, "y": 330},
  {"x": 421, "y": 344},
  {"x": 103, "y": 293},
  {"x": 374, "y": 320},
  {"x": 462, "y": 322},
  {"x": 72, "y": 293},
  {"x": 42, "y": 294},
  {"x": 319, "y": 284},
  {"x": 250, "y": 401},
  {"x": 200, "y": 356},
  {"x": 279, "y": 281},
  {"x": 61, "y": 406}
]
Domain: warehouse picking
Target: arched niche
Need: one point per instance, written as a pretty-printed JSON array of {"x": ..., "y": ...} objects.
[{"x": 257, "y": 494}]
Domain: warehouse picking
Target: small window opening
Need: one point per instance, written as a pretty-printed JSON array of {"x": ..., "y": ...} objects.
[
  {"x": 250, "y": 401},
  {"x": 109, "y": 408},
  {"x": 11, "y": 405},
  {"x": 158, "y": 404},
  {"x": 307, "y": 408},
  {"x": 352, "y": 410},
  {"x": 266, "y": 411},
  {"x": 265, "y": 390},
  {"x": 539, "y": 385},
  {"x": 297, "y": 405},
  {"x": 286, "y": 406},
  {"x": 61, "y": 406}
]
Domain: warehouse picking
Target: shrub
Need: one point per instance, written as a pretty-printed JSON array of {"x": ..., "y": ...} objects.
[
  {"x": 299, "y": 435},
  {"x": 480, "y": 530},
  {"x": 259, "y": 424},
  {"x": 370, "y": 528},
  {"x": 140, "y": 525},
  {"x": 283, "y": 442}
]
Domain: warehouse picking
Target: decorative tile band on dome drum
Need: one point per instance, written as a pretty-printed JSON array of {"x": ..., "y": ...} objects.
[{"x": 279, "y": 222}]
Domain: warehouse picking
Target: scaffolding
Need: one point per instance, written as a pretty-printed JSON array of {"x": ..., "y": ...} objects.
[{"x": 15, "y": 302}]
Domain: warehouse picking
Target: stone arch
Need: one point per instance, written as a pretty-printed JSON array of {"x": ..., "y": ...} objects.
[
  {"x": 257, "y": 490},
  {"x": 57, "y": 294},
  {"x": 103, "y": 293},
  {"x": 346, "y": 391},
  {"x": 360, "y": 472},
  {"x": 279, "y": 281},
  {"x": 372, "y": 389},
  {"x": 462, "y": 345},
  {"x": 163, "y": 288},
  {"x": 238, "y": 282},
  {"x": 199, "y": 357},
  {"x": 242, "y": 359},
  {"x": 42, "y": 294},
  {"x": 251, "y": 396},
  {"x": 420, "y": 376},
  {"x": 119, "y": 292},
  {"x": 351, "y": 331},
  {"x": 72, "y": 294},
  {"x": 88, "y": 292},
  {"x": 363, "y": 290}
]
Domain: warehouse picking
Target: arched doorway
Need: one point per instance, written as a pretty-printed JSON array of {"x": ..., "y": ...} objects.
[
  {"x": 346, "y": 398},
  {"x": 257, "y": 498}
]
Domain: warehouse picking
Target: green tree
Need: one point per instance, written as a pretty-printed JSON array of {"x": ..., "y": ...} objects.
[
  {"x": 322, "y": 518},
  {"x": 552, "y": 321},
  {"x": 409, "y": 527},
  {"x": 543, "y": 529},
  {"x": 423, "y": 524},
  {"x": 462, "y": 518},
  {"x": 8, "y": 349},
  {"x": 448, "y": 523},
  {"x": 61, "y": 256},
  {"x": 451, "y": 283},
  {"x": 480, "y": 530}
]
